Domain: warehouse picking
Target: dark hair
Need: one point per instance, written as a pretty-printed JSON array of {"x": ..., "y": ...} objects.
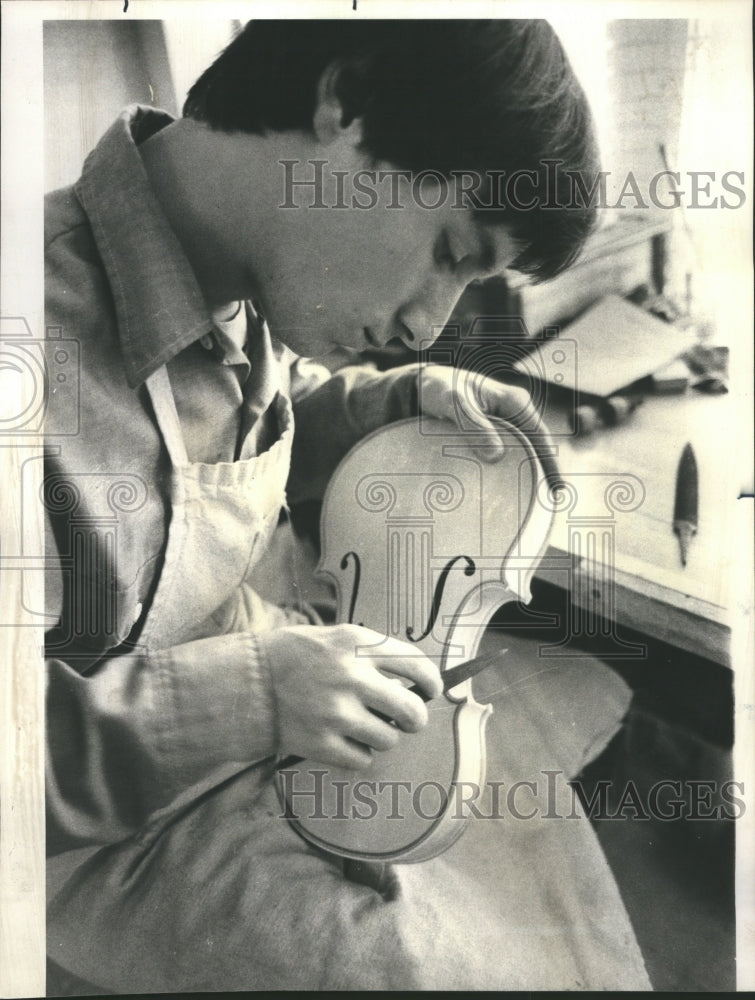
[{"x": 432, "y": 95}]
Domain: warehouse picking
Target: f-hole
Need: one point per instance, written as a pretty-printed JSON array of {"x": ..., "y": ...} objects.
[
  {"x": 357, "y": 578},
  {"x": 469, "y": 570}
]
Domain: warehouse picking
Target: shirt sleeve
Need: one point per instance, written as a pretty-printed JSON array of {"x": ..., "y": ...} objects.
[
  {"x": 330, "y": 420},
  {"x": 127, "y": 738}
]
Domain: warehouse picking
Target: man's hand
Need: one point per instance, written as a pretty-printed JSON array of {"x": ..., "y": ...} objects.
[
  {"x": 470, "y": 399},
  {"x": 328, "y": 685}
]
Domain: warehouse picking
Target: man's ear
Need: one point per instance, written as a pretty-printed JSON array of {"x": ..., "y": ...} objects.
[{"x": 329, "y": 120}]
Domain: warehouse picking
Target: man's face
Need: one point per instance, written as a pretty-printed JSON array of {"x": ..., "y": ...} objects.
[{"x": 377, "y": 262}]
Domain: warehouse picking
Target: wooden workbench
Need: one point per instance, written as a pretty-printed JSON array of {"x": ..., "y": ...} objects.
[{"x": 613, "y": 544}]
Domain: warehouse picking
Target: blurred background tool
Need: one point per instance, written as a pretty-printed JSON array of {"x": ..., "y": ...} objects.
[
  {"x": 672, "y": 378},
  {"x": 709, "y": 365},
  {"x": 685, "y": 501},
  {"x": 614, "y": 344},
  {"x": 608, "y": 412}
]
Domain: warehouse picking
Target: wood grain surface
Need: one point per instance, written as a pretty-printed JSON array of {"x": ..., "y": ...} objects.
[{"x": 22, "y": 830}]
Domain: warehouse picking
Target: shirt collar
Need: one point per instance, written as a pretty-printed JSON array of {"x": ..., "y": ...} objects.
[{"x": 159, "y": 306}]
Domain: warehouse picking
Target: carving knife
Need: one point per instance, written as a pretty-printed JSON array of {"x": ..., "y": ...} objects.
[{"x": 686, "y": 501}]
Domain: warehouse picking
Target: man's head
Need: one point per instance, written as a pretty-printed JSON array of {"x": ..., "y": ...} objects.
[
  {"x": 448, "y": 96},
  {"x": 372, "y": 99}
]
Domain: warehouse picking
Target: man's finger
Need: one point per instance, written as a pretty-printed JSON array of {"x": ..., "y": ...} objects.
[
  {"x": 515, "y": 405},
  {"x": 372, "y": 731},
  {"x": 539, "y": 437},
  {"x": 410, "y": 664},
  {"x": 396, "y": 703}
]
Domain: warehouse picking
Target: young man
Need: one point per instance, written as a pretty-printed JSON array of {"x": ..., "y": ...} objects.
[{"x": 196, "y": 262}]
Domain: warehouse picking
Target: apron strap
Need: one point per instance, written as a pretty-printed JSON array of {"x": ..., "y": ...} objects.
[{"x": 164, "y": 404}]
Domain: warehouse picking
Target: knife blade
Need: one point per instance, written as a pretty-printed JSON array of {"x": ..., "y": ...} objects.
[{"x": 686, "y": 501}]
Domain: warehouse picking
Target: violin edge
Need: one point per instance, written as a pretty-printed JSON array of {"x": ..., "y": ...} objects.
[{"x": 443, "y": 830}]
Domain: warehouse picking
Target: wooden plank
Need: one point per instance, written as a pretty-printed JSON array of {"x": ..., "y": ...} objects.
[
  {"x": 22, "y": 819},
  {"x": 690, "y": 624},
  {"x": 22, "y": 830}
]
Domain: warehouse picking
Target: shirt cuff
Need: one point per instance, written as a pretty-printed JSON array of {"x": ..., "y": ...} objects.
[{"x": 217, "y": 706}]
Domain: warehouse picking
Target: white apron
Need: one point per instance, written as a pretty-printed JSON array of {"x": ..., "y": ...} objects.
[
  {"x": 222, "y": 516},
  {"x": 219, "y": 893}
]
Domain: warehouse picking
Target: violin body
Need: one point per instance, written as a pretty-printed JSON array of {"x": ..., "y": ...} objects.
[{"x": 424, "y": 542}]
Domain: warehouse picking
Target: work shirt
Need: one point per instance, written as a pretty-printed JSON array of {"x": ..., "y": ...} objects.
[{"x": 131, "y": 728}]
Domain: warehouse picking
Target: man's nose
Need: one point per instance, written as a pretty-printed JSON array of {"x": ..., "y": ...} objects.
[{"x": 422, "y": 321}]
